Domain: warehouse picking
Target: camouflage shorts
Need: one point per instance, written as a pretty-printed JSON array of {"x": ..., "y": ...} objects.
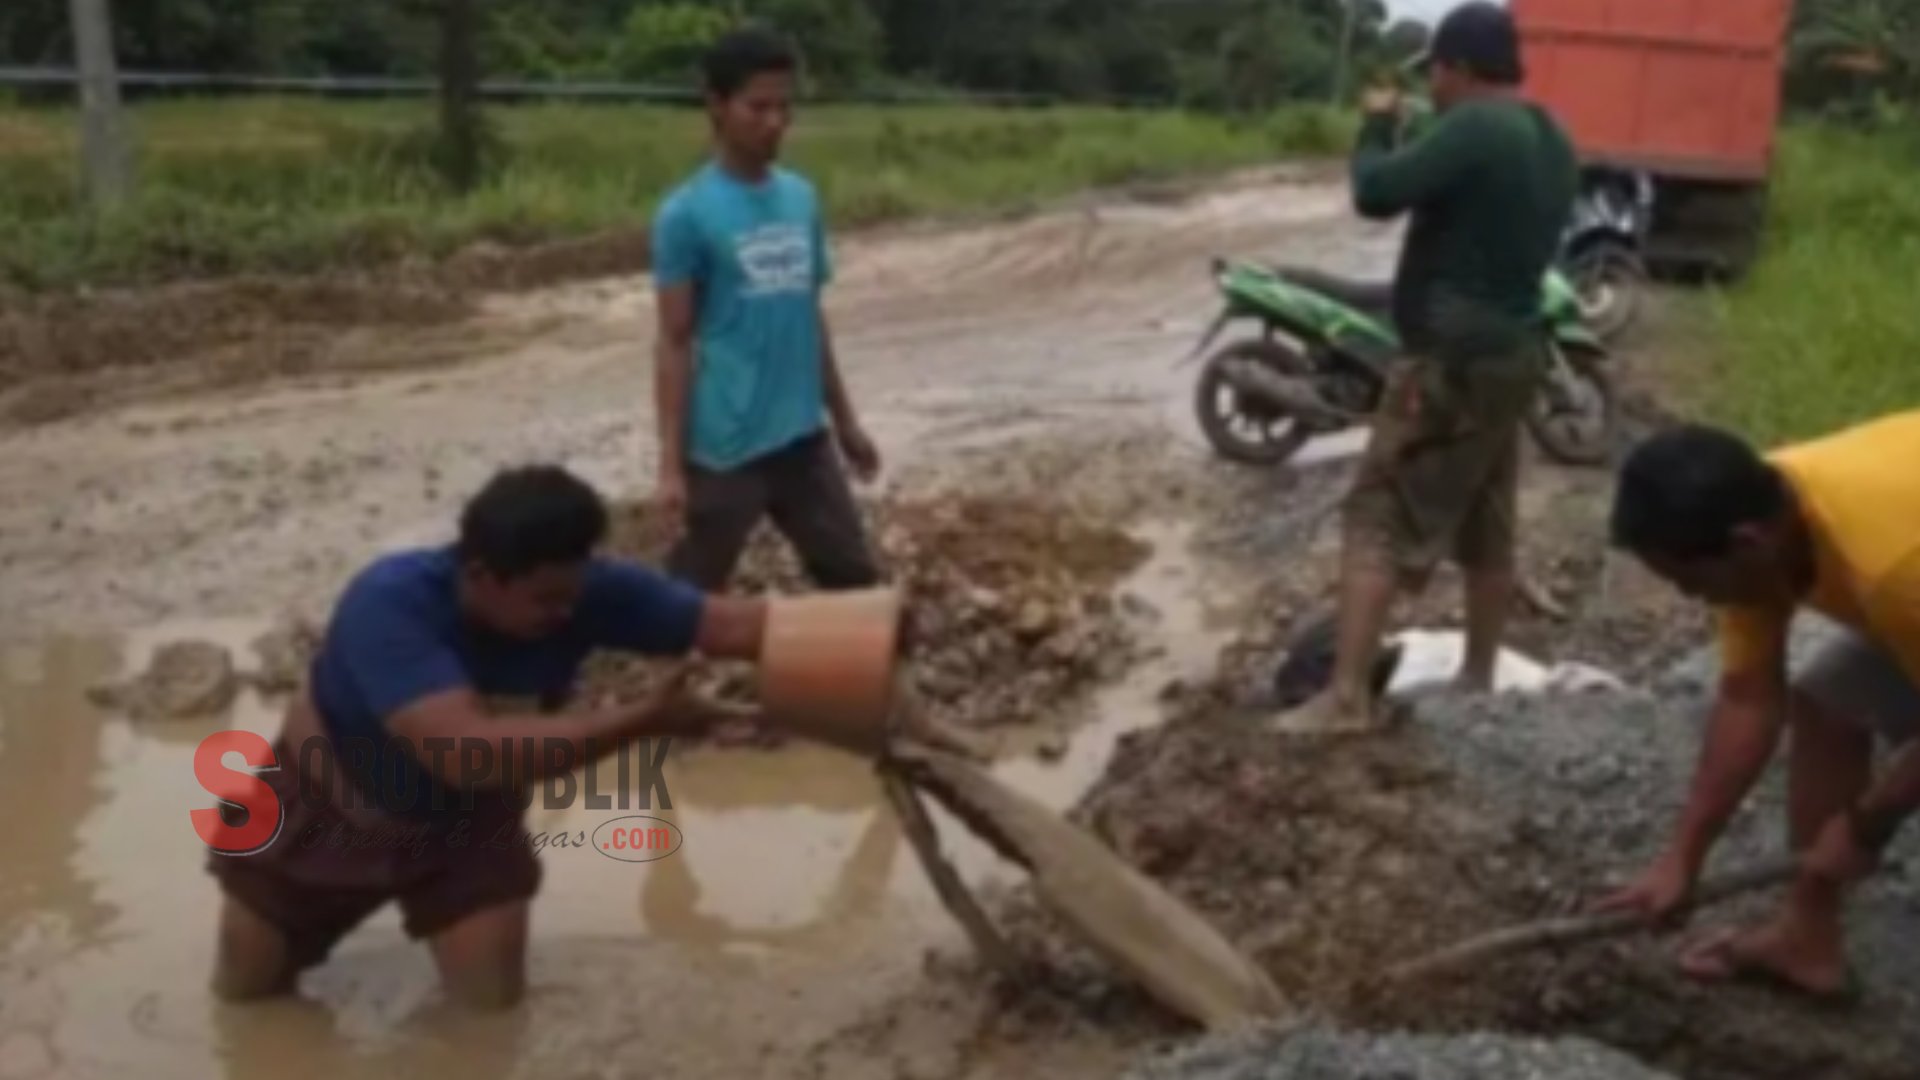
[{"x": 1442, "y": 471}]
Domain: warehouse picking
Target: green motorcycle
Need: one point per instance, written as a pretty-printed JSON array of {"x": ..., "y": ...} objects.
[{"x": 1319, "y": 362}]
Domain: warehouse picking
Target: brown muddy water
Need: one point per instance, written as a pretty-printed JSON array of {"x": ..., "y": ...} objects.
[{"x": 792, "y": 907}]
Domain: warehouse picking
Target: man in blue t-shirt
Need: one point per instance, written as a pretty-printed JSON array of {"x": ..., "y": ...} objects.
[
  {"x": 746, "y": 380},
  {"x": 401, "y": 765}
]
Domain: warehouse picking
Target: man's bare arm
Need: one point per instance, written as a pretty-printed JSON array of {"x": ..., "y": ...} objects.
[
  {"x": 1893, "y": 800},
  {"x": 1741, "y": 739},
  {"x": 839, "y": 402},
  {"x": 858, "y": 447},
  {"x": 732, "y": 628},
  {"x": 673, "y": 375}
]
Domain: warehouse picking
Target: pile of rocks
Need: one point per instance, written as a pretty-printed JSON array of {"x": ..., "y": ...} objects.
[
  {"x": 1012, "y": 602},
  {"x": 192, "y": 679},
  {"x": 1325, "y": 1053}
]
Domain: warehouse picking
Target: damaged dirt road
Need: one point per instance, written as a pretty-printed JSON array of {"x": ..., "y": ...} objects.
[
  {"x": 1027, "y": 361},
  {"x": 241, "y": 501},
  {"x": 1045, "y": 483}
]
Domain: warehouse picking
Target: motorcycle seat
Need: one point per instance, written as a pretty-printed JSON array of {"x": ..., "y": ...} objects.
[{"x": 1368, "y": 297}]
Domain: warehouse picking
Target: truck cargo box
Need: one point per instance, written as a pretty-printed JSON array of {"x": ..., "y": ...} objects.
[{"x": 1687, "y": 89}]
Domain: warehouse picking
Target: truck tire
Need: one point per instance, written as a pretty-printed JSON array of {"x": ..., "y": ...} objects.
[{"x": 1712, "y": 227}]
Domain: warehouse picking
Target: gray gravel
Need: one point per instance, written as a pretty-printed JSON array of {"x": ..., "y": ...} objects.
[
  {"x": 1583, "y": 789},
  {"x": 1320, "y": 1053},
  {"x": 1605, "y": 773}
]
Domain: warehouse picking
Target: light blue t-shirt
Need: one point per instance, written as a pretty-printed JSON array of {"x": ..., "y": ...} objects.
[{"x": 757, "y": 257}]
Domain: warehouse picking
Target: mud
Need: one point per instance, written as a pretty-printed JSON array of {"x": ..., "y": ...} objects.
[
  {"x": 241, "y": 499},
  {"x": 1297, "y": 1053},
  {"x": 497, "y": 267},
  {"x": 1014, "y": 611},
  {"x": 185, "y": 679},
  {"x": 1603, "y": 608},
  {"x": 1020, "y": 379},
  {"x": 282, "y": 653},
  {"x": 64, "y": 354},
  {"x": 1333, "y": 859},
  {"x": 194, "y": 679}
]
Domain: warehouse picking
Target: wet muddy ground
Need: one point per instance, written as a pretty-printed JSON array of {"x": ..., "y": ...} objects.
[
  {"x": 1042, "y": 470},
  {"x": 1027, "y": 362}
]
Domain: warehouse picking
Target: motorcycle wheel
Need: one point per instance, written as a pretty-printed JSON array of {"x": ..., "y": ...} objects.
[
  {"x": 1610, "y": 279},
  {"x": 1239, "y": 428},
  {"x": 1576, "y": 419}
]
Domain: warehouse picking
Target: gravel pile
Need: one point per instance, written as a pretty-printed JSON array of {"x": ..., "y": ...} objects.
[
  {"x": 1320, "y": 1053},
  {"x": 1331, "y": 859}
]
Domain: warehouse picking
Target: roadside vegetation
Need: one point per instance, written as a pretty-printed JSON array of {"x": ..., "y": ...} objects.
[
  {"x": 1826, "y": 332},
  {"x": 260, "y": 184}
]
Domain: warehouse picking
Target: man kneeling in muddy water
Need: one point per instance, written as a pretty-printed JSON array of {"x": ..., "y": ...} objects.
[
  {"x": 1832, "y": 526},
  {"x": 423, "y": 648}
]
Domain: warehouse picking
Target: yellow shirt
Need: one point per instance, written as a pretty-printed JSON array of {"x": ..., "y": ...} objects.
[{"x": 1860, "y": 492}]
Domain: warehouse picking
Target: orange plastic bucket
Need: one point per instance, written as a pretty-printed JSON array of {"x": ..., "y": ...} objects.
[{"x": 827, "y": 666}]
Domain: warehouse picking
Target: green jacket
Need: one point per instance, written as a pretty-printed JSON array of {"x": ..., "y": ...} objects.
[{"x": 1489, "y": 186}]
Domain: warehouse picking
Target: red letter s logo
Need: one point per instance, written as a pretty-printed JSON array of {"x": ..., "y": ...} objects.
[{"x": 245, "y": 790}]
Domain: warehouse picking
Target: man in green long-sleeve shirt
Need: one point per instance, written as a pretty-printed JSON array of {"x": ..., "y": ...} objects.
[{"x": 1490, "y": 187}]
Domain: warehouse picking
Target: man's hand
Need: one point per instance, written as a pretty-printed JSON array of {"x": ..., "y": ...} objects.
[
  {"x": 1838, "y": 856},
  {"x": 664, "y": 709},
  {"x": 1657, "y": 894},
  {"x": 1381, "y": 101},
  {"x": 672, "y": 493},
  {"x": 860, "y": 452}
]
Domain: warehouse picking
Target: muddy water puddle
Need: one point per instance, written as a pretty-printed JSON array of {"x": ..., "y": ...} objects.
[{"x": 792, "y": 906}]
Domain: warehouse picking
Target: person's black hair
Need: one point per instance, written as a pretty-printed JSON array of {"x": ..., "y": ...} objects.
[
  {"x": 529, "y": 517},
  {"x": 1684, "y": 492},
  {"x": 1481, "y": 38},
  {"x": 741, "y": 54}
]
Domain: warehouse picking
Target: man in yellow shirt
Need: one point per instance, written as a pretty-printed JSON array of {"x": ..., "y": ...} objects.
[{"x": 1831, "y": 526}]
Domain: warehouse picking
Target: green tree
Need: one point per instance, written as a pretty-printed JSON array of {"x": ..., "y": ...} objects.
[
  {"x": 664, "y": 41},
  {"x": 840, "y": 39},
  {"x": 35, "y": 32},
  {"x": 1873, "y": 45},
  {"x": 368, "y": 37}
]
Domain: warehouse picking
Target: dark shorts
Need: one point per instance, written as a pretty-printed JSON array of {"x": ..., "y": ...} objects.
[
  {"x": 324, "y": 875},
  {"x": 1441, "y": 475},
  {"x": 1859, "y": 681},
  {"x": 804, "y": 491}
]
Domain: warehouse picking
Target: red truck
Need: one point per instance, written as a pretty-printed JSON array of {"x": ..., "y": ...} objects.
[{"x": 1674, "y": 105}]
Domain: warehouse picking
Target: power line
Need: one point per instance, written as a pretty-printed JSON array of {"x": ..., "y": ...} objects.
[{"x": 380, "y": 85}]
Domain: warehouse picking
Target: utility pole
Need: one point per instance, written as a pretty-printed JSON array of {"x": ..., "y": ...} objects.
[
  {"x": 104, "y": 145},
  {"x": 460, "y": 122}
]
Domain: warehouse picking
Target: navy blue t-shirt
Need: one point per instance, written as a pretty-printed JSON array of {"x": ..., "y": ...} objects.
[{"x": 398, "y": 635}]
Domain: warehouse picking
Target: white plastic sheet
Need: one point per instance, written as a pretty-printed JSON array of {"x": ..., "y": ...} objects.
[{"x": 1432, "y": 658}]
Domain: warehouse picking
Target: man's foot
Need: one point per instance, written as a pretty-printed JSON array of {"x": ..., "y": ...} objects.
[
  {"x": 1784, "y": 951},
  {"x": 1327, "y": 714}
]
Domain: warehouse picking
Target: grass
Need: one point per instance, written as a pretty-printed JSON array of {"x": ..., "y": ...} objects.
[
  {"x": 1825, "y": 333},
  {"x": 299, "y": 185}
]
